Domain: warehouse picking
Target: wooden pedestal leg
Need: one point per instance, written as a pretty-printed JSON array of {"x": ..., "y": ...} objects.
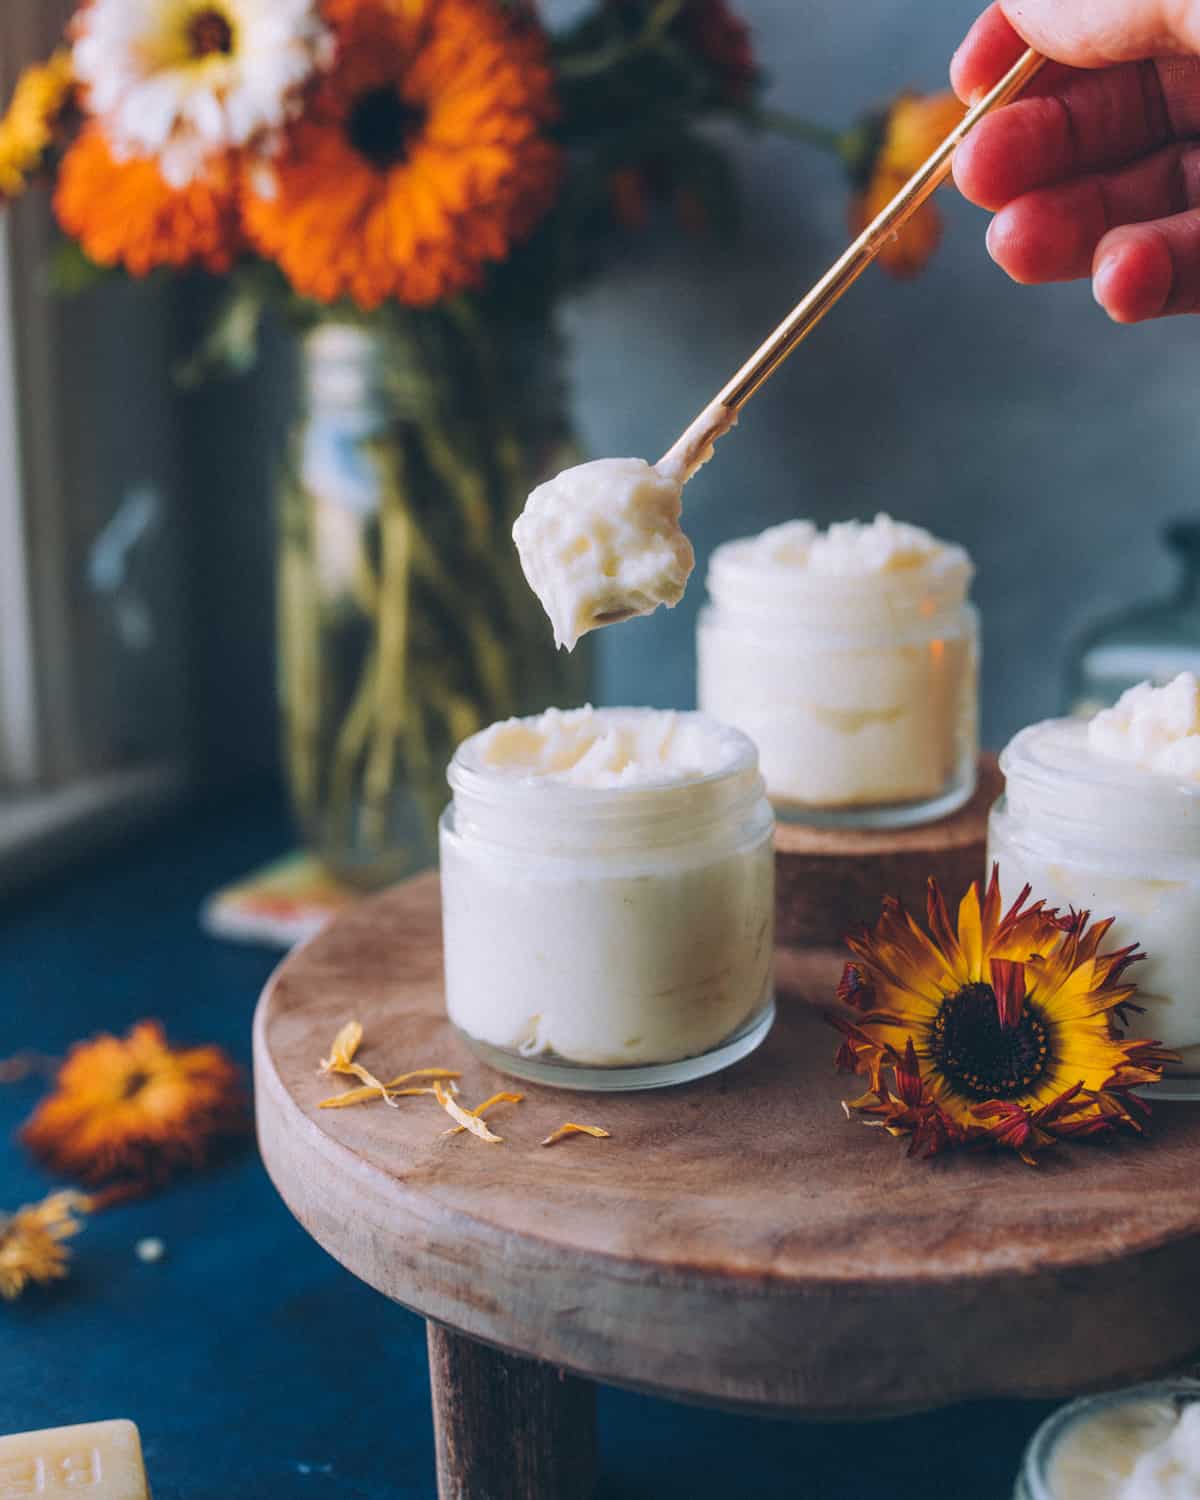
[{"x": 508, "y": 1428}]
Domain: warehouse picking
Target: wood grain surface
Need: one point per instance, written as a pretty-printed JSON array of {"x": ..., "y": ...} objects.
[
  {"x": 737, "y": 1241},
  {"x": 828, "y": 880}
]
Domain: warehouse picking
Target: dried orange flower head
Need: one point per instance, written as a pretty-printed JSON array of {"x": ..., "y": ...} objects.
[
  {"x": 133, "y": 1111},
  {"x": 895, "y": 145},
  {"x": 421, "y": 159},
  {"x": 31, "y": 1242},
  {"x": 997, "y": 1027}
]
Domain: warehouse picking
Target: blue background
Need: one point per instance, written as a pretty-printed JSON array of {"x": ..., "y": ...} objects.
[{"x": 255, "y": 1367}]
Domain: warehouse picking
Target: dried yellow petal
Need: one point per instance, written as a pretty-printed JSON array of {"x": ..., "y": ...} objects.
[
  {"x": 362, "y": 1096},
  {"x": 486, "y": 1105},
  {"x": 570, "y": 1128},
  {"x": 345, "y": 1045},
  {"x": 423, "y": 1073},
  {"x": 341, "y": 1060},
  {"x": 464, "y": 1117}
]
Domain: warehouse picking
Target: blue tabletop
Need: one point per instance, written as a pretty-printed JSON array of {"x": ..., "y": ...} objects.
[{"x": 256, "y": 1368}]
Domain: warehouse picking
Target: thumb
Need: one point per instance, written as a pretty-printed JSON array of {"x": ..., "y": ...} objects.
[
  {"x": 1078, "y": 33},
  {"x": 1097, "y": 33}
]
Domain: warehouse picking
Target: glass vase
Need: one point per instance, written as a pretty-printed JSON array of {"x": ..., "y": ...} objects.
[{"x": 405, "y": 623}]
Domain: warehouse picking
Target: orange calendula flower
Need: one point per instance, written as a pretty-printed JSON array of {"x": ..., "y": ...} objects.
[
  {"x": 126, "y": 213},
  {"x": 898, "y": 142},
  {"x": 33, "y": 120},
  {"x": 31, "y": 1242},
  {"x": 994, "y": 1028},
  {"x": 421, "y": 158},
  {"x": 132, "y": 1111}
]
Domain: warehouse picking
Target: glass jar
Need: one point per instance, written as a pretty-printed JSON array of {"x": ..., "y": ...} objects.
[
  {"x": 1150, "y": 642},
  {"x": 1072, "y": 1451},
  {"x": 405, "y": 623},
  {"x": 860, "y": 691},
  {"x": 1114, "y": 839},
  {"x": 610, "y": 936}
]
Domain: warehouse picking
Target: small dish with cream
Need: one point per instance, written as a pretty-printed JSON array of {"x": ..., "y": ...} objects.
[
  {"x": 850, "y": 657},
  {"x": 1137, "y": 1444},
  {"x": 1104, "y": 815}
]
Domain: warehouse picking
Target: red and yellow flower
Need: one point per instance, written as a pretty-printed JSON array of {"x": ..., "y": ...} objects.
[{"x": 1005, "y": 1028}]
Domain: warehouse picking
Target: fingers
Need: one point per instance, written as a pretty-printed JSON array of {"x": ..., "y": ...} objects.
[
  {"x": 1085, "y": 34},
  {"x": 991, "y": 47},
  {"x": 1090, "y": 122},
  {"x": 1149, "y": 270},
  {"x": 1053, "y": 234}
]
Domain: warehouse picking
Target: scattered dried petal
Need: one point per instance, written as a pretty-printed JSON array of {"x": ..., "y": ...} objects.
[
  {"x": 465, "y": 1118},
  {"x": 345, "y": 1045},
  {"x": 481, "y": 1109},
  {"x": 31, "y": 1248},
  {"x": 341, "y": 1060},
  {"x": 362, "y": 1096},
  {"x": 570, "y": 1128}
]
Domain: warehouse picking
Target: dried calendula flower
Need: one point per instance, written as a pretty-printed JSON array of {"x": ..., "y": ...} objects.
[
  {"x": 341, "y": 1060},
  {"x": 570, "y": 1128},
  {"x": 31, "y": 1242},
  {"x": 465, "y": 1117},
  {"x": 130, "y": 1112},
  {"x": 481, "y": 1109},
  {"x": 393, "y": 1090}
]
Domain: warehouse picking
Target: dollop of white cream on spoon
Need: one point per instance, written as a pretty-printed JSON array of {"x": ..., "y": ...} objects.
[{"x": 602, "y": 542}]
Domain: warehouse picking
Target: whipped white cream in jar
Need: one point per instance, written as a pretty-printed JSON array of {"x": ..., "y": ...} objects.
[
  {"x": 850, "y": 657},
  {"x": 1137, "y": 1444},
  {"x": 1105, "y": 815},
  {"x": 608, "y": 897}
]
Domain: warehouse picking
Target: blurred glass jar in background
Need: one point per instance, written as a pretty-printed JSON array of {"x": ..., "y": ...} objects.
[
  {"x": 1153, "y": 641},
  {"x": 405, "y": 624}
]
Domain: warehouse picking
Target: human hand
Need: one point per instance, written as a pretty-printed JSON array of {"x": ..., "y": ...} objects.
[{"x": 1095, "y": 171}]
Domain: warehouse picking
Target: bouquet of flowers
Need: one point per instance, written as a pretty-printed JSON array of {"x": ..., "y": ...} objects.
[{"x": 427, "y": 179}]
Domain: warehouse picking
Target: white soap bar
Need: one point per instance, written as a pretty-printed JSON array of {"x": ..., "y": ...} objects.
[{"x": 102, "y": 1460}]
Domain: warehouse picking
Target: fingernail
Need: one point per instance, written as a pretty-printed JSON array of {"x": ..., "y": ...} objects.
[
  {"x": 1102, "y": 279},
  {"x": 990, "y": 240}
]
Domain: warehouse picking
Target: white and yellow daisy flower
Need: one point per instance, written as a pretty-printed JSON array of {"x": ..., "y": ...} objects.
[{"x": 181, "y": 80}]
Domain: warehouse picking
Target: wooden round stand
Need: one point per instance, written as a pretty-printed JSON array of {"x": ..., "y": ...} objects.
[
  {"x": 827, "y": 880},
  {"x": 737, "y": 1242}
]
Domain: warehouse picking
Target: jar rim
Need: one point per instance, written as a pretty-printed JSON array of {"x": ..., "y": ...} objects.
[
  {"x": 1035, "y": 1467},
  {"x": 514, "y": 806},
  {"x": 1044, "y": 754}
]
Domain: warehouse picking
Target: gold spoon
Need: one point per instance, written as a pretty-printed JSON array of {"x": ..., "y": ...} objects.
[{"x": 695, "y": 446}]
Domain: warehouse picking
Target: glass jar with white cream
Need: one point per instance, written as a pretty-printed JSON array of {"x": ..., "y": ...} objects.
[
  {"x": 850, "y": 657},
  {"x": 1104, "y": 815},
  {"x": 1137, "y": 1444},
  {"x": 608, "y": 897}
]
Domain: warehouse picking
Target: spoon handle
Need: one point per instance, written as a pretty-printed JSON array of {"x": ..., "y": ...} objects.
[{"x": 721, "y": 414}]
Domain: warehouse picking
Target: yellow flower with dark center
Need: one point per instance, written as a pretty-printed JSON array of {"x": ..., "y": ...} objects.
[
  {"x": 31, "y": 1242},
  {"x": 895, "y": 145},
  {"x": 31, "y": 125},
  {"x": 131, "y": 1112},
  {"x": 1003, "y": 1028}
]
